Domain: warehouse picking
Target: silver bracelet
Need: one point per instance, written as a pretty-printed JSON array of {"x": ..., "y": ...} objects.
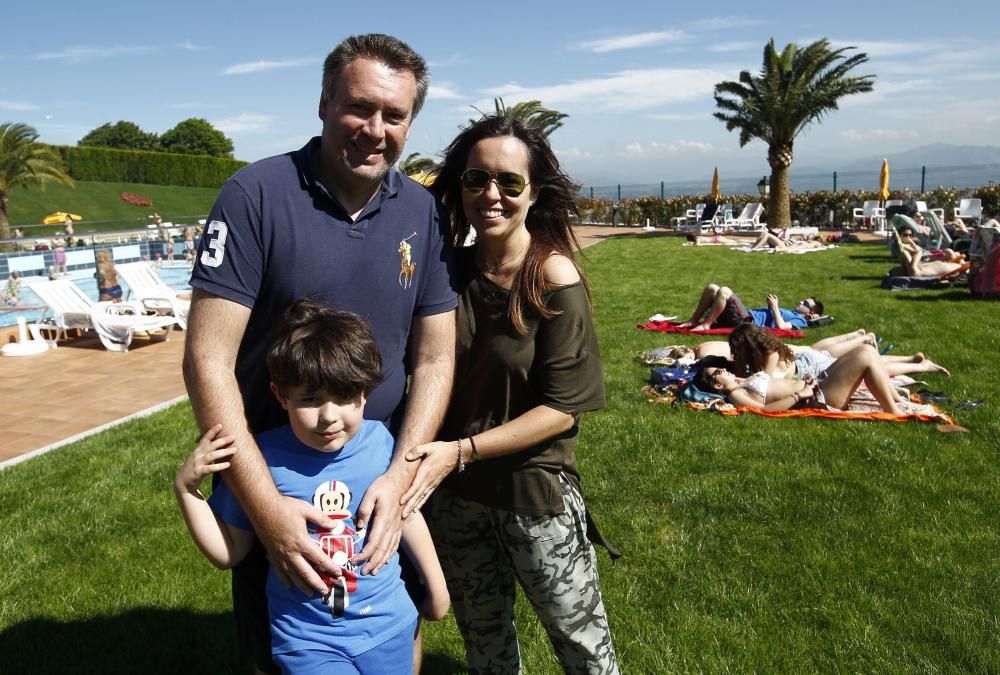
[{"x": 461, "y": 459}]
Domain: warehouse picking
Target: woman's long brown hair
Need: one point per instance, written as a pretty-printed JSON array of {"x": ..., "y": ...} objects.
[{"x": 750, "y": 346}]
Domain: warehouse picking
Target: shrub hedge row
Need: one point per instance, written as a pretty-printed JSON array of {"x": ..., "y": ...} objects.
[
  {"x": 809, "y": 208},
  {"x": 139, "y": 166}
]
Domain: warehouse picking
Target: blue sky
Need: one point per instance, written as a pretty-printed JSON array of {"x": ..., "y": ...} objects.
[{"x": 636, "y": 77}]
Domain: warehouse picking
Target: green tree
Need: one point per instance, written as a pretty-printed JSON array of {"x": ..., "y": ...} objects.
[
  {"x": 24, "y": 162},
  {"x": 792, "y": 90},
  {"x": 414, "y": 164},
  {"x": 121, "y": 134},
  {"x": 532, "y": 112},
  {"x": 196, "y": 136}
]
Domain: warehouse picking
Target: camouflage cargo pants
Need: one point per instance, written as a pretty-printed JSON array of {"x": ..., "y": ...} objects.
[{"x": 483, "y": 550}]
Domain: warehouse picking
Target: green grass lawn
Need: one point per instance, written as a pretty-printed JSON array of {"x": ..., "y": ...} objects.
[
  {"x": 101, "y": 207},
  {"x": 751, "y": 544}
]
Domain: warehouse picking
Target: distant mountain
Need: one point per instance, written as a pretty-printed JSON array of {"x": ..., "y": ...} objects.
[{"x": 935, "y": 155}]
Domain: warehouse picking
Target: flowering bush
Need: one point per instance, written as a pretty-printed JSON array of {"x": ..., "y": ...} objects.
[
  {"x": 809, "y": 208},
  {"x": 135, "y": 200}
]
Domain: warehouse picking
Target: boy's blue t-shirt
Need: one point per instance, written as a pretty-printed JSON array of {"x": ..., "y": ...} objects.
[
  {"x": 762, "y": 317},
  {"x": 379, "y": 607}
]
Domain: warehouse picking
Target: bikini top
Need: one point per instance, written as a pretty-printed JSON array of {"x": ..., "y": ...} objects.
[{"x": 757, "y": 384}]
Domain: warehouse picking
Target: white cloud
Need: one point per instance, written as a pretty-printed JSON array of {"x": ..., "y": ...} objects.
[
  {"x": 680, "y": 147},
  {"x": 17, "y": 106},
  {"x": 263, "y": 66},
  {"x": 242, "y": 123},
  {"x": 80, "y": 54},
  {"x": 626, "y": 90},
  {"x": 189, "y": 46},
  {"x": 725, "y": 23},
  {"x": 680, "y": 117},
  {"x": 856, "y": 136},
  {"x": 442, "y": 91},
  {"x": 572, "y": 153},
  {"x": 633, "y": 41},
  {"x": 726, "y": 47}
]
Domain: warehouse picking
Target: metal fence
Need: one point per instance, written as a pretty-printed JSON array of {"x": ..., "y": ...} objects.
[{"x": 915, "y": 179}]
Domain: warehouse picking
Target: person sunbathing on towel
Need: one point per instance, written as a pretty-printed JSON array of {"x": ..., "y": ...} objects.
[
  {"x": 719, "y": 307},
  {"x": 754, "y": 349},
  {"x": 915, "y": 261},
  {"x": 769, "y": 239},
  {"x": 832, "y": 390},
  {"x": 710, "y": 240}
]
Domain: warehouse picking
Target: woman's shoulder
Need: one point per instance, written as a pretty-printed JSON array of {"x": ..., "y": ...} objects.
[{"x": 558, "y": 270}]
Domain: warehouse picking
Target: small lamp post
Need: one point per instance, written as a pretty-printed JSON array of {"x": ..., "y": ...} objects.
[{"x": 764, "y": 187}]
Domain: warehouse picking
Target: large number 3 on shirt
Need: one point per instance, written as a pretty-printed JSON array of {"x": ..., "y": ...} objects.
[{"x": 212, "y": 257}]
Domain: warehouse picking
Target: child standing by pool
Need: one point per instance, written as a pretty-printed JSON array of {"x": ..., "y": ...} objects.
[
  {"x": 108, "y": 287},
  {"x": 322, "y": 366}
]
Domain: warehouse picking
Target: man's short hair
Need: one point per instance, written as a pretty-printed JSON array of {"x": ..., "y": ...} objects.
[
  {"x": 323, "y": 349},
  {"x": 386, "y": 49},
  {"x": 818, "y": 305}
]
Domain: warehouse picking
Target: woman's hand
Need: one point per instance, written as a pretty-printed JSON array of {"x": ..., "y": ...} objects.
[
  {"x": 806, "y": 392},
  {"x": 208, "y": 457},
  {"x": 437, "y": 460}
]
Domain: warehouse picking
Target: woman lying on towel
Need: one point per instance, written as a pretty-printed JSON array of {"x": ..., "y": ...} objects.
[
  {"x": 915, "y": 259},
  {"x": 768, "y": 239},
  {"x": 832, "y": 390},
  {"x": 753, "y": 349}
]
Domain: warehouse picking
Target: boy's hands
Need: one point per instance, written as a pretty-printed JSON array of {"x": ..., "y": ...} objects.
[{"x": 209, "y": 456}]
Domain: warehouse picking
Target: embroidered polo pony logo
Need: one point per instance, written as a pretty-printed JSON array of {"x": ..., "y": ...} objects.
[{"x": 406, "y": 265}]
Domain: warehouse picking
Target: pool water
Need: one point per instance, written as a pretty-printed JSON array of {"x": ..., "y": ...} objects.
[{"x": 177, "y": 277}]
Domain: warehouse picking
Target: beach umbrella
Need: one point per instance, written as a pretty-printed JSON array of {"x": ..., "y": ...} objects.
[
  {"x": 714, "y": 195},
  {"x": 424, "y": 178},
  {"x": 59, "y": 217},
  {"x": 883, "y": 181}
]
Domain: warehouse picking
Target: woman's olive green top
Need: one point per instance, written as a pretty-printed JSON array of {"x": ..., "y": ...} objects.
[{"x": 501, "y": 374}]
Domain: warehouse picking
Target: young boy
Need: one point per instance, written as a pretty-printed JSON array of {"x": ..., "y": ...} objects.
[{"x": 322, "y": 366}]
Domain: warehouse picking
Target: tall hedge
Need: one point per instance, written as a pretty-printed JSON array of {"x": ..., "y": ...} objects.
[{"x": 139, "y": 166}]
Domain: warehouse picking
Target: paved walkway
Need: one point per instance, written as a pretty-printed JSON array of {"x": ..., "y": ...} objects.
[{"x": 66, "y": 393}]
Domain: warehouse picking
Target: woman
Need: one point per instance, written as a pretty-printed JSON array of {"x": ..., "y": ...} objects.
[
  {"x": 769, "y": 239},
  {"x": 832, "y": 390},
  {"x": 754, "y": 349},
  {"x": 915, "y": 258},
  {"x": 527, "y": 366}
]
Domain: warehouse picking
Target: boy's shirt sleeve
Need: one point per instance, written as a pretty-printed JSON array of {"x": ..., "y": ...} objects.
[{"x": 224, "y": 504}]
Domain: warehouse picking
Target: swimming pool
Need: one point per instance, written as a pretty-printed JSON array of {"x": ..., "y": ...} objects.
[{"x": 176, "y": 276}]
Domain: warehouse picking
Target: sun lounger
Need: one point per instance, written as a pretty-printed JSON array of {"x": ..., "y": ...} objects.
[
  {"x": 145, "y": 285},
  {"x": 114, "y": 323}
]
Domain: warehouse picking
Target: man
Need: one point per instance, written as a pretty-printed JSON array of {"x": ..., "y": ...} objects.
[
  {"x": 719, "y": 307},
  {"x": 326, "y": 222}
]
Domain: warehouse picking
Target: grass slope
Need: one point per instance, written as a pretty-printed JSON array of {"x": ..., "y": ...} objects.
[
  {"x": 751, "y": 544},
  {"x": 99, "y": 203}
]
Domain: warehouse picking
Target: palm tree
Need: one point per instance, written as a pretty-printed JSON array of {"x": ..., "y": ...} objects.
[
  {"x": 24, "y": 161},
  {"x": 414, "y": 164},
  {"x": 532, "y": 112},
  {"x": 792, "y": 90}
]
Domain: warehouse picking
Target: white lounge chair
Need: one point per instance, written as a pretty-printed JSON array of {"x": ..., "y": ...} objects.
[
  {"x": 870, "y": 213},
  {"x": 970, "y": 209},
  {"x": 749, "y": 218},
  {"x": 690, "y": 217},
  {"x": 146, "y": 286},
  {"x": 921, "y": 207},
  {"x": 115, "y": 323},
  {"x": 939, "y": 237}
]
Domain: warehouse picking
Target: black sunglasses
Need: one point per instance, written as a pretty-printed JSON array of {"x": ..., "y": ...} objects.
[{"x": 510, "y": 183}]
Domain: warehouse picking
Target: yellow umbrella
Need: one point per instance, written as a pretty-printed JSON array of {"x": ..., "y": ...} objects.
[
  {"x": 424, "y": 178},
  {"x": 714, "y": 195},
  {"x": 59, "y": 217},
  {"x": 883, "y": 181}
]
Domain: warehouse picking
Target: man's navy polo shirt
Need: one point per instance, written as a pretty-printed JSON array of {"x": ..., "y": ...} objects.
[{"x": 275, "y": 235}]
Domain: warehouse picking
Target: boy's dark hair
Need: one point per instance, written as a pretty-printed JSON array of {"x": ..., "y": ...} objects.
[
  {"x": 819, "y": 305},
  {"x": 324, "y": 349}
]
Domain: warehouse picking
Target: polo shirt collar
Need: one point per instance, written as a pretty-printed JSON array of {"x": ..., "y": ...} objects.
[{"x": 391, "y": 183}]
